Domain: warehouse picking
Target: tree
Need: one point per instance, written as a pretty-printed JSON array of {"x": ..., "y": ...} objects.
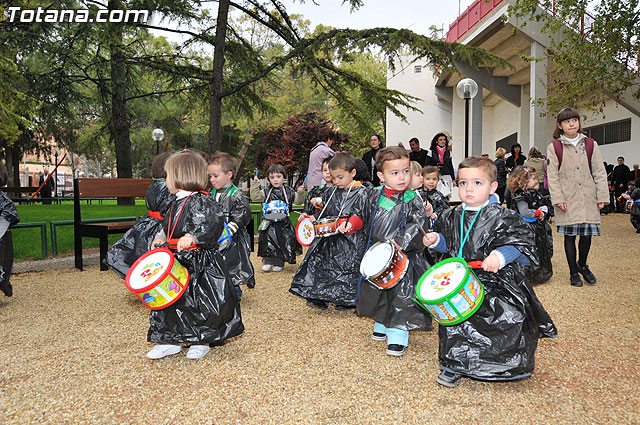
[{"x": 594, "y": 55}]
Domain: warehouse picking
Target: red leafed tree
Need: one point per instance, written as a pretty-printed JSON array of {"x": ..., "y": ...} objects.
[{"x": 290, "y": 143}]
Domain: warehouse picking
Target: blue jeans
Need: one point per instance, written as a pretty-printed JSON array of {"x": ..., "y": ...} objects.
[{"x": 394, "y": 335}]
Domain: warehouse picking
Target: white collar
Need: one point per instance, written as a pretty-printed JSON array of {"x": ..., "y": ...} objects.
[
  {"x": 468, "y": 208},
  {"x": 183, "y": 194}
]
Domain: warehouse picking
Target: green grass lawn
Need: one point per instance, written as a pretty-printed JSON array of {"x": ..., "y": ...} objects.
[{"x": 27, "y": 242}]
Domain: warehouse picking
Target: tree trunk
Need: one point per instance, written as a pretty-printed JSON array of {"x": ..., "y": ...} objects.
[
  {"x": 215, "y": 99},
  {"x": 119, "y": 116},
  {"x": 15, "y": 164}
]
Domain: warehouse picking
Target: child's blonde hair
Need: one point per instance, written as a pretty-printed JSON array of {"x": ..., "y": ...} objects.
[
  {"x": 415, "y": 168},
  {"x": 187, "y": 171},
  {"x": 501, "y": 152},
  {"x": 519, "y": 178}
]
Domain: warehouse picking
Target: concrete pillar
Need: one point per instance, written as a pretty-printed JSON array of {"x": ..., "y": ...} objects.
[
  {"x": 523, "y": 134},
  {"x": 538, "y": 79},
  {"x": 476, "y": 124}
]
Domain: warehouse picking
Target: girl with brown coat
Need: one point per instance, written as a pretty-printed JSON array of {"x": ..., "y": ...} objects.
[{"x": 578, "y": 191}]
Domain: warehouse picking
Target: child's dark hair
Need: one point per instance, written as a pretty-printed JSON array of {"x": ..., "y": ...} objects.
[
  {"x": 157, "y": 166},
  {"x": 362, "y": 172},
  {"x": 519, "y": 178},
  {"x": 434, "y": 141},
  {"x": 390, "y": 153},
  {"x": 225, "y": 161},
  {"x": 430, "y": 169},
  {"x": 327, "y": 160},
  {"x": 325, "y": 134},
  {"x": 565, "y": 114},
  {"x": 4, "y": 175},
  {"x": 342, "y": 161},
  {"x": 277, "y": 168},
  {"x": 480, "y": 162}
]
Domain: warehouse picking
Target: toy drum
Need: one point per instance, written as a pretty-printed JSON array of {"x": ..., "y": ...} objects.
[
  {"x": 450, "y": 291},
  {"x": 305, "y": 232},
  {"x": 383, "y": 265},
  {"x": 275, "y": 211},
  {"x": 157, "y": 278},
  {"x": 326, "y": 227}
]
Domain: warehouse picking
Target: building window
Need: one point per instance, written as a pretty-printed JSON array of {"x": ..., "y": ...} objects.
[
  {"x": 507, "y": 142},
  {"x": 417, "y": 69},
  {"x": 613, "y": 132}
]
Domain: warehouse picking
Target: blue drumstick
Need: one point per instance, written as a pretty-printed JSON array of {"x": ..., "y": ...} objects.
[{"x": 305, "y": 179}]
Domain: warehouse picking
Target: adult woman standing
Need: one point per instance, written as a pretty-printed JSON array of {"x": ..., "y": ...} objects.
[
  {"x": 536, "y": 162},
  {"x": 516, "y": 158},
  {"x": 369, "y": 158},
  {"x": 578, "y": 187},
  {"x": 501, "y": 175},
  {"x": 441, "y": 157}
]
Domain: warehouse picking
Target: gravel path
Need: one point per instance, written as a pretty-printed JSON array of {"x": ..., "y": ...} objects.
[{"x": 73, "y": 346}]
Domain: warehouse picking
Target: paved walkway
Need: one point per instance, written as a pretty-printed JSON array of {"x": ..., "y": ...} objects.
[{"x": 73, "y": 346}]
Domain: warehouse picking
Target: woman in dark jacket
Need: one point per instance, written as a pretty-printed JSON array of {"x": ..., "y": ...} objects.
[
  {"x": 441, "y": 157},
  {"x": 369, "y": 158},
  {"x": 501, "y": 176},
  {"x": 516, "y": 158}
]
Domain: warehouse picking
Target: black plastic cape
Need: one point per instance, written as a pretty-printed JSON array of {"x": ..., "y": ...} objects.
[
  {"x": 209, "y": 310},
  {"x": 236, "y": 209},
  {"x": 542, "y": 234},
  {"x": 635, "y": 209},
  {"x": 330, "y": 270},
  {"x": 8, "y": 212},
  {"x": 400, "y": 221},
  {"x": 499, "y": 341},
  {"x": 436, "y": 199},
  {"x": 279, "y": 239},
  {"x": 137, "y": 240},
  {"x": 316, "y": 191}
]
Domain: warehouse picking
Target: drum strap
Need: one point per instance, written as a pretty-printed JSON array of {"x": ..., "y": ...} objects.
[
  {"x": 286, "y": 198},
  {"x": 463, "y": 237},
  {"x": 171, "y": 230}
]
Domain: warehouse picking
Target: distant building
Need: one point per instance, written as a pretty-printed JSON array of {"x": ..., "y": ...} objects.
[{"x": 501, "y": 113}]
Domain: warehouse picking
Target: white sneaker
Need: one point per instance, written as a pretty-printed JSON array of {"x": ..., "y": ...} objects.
[
  {"x": 277, "y": 269},
  {"x": 198, "y": 351},
  {"x": 163, "y": 350}
]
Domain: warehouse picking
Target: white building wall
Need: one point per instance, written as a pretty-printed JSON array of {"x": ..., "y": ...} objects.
[
  {"x": 610, "y": 152},
  {"x": 435, "y": 116}
]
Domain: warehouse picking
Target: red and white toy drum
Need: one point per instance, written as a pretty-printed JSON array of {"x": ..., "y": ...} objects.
[
  {"x": 305, "y": 232},
  {"x": 384, "y": 265},
  {"x": 157, "y": 278},
  {"x": 326, "y": 227}
]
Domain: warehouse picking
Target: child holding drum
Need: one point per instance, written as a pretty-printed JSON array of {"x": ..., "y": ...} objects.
[
  {"x": 237, "y": 214},
  {"x": 330, "y": 271},
  {"x": 429, "y": 193},
  {"x": 499, "y": 341},
  {"x": 313, "y": 201},
  {"x": 394, "y": 261},
  {"x": 277, "y": 242},
  {"x": 137, "y": 240},
  {"x": 533, "y": 208},
  {"x": 208, "y": 312}
]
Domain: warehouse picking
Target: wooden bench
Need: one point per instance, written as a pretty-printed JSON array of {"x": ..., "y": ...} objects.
[{"x": 102, "y": 188}]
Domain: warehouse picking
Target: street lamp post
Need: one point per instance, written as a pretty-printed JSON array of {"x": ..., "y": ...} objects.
[
  {"x": 55, "y": 182},
  {"x": 157, "y": 135},
  {"x": 467, "y": 89}
]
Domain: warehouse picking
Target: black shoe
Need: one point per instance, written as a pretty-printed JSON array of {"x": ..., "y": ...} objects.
[
  {"x": 396, "y": 350},
  {"x": 6, "y": 288},
  {"x": 448, "y": 379},
  {"x": 638, "y": 231},
  {"x": 379, "y": 336},
  {"x": 588, "y": 276},
  {"x": 575, "y": 280},
  {"x": 318, "y": 304}
]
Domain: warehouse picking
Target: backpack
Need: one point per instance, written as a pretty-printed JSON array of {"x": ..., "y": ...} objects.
[{"x": 557, "y": 146}]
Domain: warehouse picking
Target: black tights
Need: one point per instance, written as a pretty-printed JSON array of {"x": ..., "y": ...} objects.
[{"x": 584, "y": 244}]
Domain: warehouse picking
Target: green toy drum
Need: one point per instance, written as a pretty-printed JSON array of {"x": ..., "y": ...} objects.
[{"x": 450, "y": 291}]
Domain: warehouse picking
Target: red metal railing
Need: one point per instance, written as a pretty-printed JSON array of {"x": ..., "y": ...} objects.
[{"x": 471, "y": 16}]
